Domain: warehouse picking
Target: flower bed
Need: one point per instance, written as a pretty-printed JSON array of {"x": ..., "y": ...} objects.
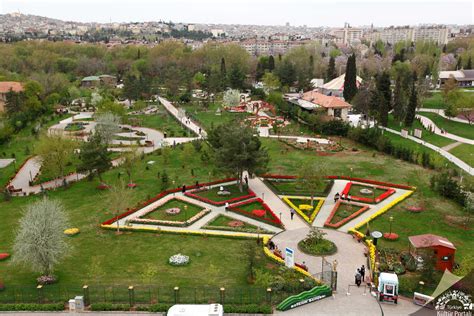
[
  {"x": 195, "y": 195},
  {"x": 159, "y": 196},
  {"x": 387, "y": 192},
  {"x": 4, "y": 256},
  {"x": 71, "y": 231},
  {"x": 312, "y": 214},
  {"x": 336, "y": 208},
  {"x": 226, "y": 223},
  {"x": 178, "y": 260},
  {"x": 269, "y": 217},
  {"x": 171, "y": 223},
  {"x": 390, "y": 236}
]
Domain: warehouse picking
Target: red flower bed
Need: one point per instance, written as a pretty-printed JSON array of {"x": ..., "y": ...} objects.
[
  {"x": 159, "y": 196},
  {"x": 273, "y": 220},
  {"x": 362, "y": 199},
  {"x": 399, "y": 186},
  {"x": 415, "y": 209},
  {"x": 218, "y": 203},
  {"x": 390, "y": 236},
  {"x": 345, "y": 220},
  {"x": 302, "y": 266},
  {"x": 4, "y": 256},
  {"x": 259, "y": 213}
]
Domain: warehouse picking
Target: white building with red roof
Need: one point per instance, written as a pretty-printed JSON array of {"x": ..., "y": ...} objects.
[
  {"x": 336, "y": 86},
  {"x": 313, "y": 100}
]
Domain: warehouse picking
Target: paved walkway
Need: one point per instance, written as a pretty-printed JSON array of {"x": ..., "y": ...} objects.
[
  {"x": 328, "y": 204},
  {"x": 443, "y": 114},
  {"x": 180, "y": 116},
  {"x": 451, "y": 146},
  {"x": 455, "y": 160},
  {"x": 429, "y": 124}
]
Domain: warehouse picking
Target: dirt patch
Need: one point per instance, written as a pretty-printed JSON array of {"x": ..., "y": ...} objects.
[{"x": 456, "y": 221}]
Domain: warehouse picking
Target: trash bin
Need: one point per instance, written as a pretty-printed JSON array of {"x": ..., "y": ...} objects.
[
  {"x": 72, "y": 304},
  {"x": 79, "y": 303}
]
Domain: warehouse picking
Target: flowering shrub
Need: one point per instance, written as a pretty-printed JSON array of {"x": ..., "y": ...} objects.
[
  {"x": 178, "y": 260},
  {"x": 46, "y": 279},
  {"x": 71, "y": 231},
  {"x": 259, "y": 213},
  {"x": 300, "y": 211},
  {"x": 4, "y": 256},
  {"x": 390, "y": 236}
]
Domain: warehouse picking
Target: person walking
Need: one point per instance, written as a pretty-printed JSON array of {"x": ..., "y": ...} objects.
[
  {"x": 362, "y": 273},
  {"x": 348, "y": 197},
  {"x": 226, "y": 206},
  {"x": 336, "y": 197},
  {"x": 358, "y": 278},
  {"x": 246, "y": 179},
  {"x": 292, "y": 213}
]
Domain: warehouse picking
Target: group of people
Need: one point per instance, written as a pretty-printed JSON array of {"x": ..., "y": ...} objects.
[
  {"x": 360, "y": 275},
  {"x": 342, "y": 196}
]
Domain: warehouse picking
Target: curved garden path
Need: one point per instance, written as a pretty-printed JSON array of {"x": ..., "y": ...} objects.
[
  {"x": 442, "y": 113},
  {"x": 427, "y": 123}
]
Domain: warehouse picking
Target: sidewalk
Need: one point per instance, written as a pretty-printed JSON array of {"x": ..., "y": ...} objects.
[
  {"x": 442, "y": 113},
  {"x": 188, "y": 123},
  {"x": 427, "y": 123}
]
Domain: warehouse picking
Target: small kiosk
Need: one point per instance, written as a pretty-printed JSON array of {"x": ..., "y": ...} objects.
[
  {"x": 442, "y": 249},
  {"x": 388, "y": 287}
]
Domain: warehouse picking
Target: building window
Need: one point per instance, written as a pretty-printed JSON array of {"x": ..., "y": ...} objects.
[{"x": 337, "y": 113}]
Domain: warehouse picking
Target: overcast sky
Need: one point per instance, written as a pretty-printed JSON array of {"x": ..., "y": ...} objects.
[{"x": 270, "y": 12}]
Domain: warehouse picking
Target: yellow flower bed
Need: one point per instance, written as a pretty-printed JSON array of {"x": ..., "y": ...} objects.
[
  {"x": 305, "y": 207},
  {"x": 71, "y": 231},
  {"x": 302, "y": 207},
  {"x": 370, "y": 245}
]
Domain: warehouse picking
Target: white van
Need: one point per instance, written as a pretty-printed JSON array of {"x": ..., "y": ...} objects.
[{"x": 196, "y": 310}]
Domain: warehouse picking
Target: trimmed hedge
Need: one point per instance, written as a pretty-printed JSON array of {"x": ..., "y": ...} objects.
[
  {"x": 248, "y": 309},
  {"x": 163, "y": 307},
  {"x": 32, "y": 307},
  {"x": 109, "y": 307}
]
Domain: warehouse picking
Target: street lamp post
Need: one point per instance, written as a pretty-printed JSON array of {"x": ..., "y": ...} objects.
[
  {"x": 185, "y": 212},
  {"x": 390, "y": 219}
]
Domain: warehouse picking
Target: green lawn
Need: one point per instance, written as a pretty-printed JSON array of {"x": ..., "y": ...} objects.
[
  {"x": 427, "y": 136},
  {"x": 185, "y": 214},
  {"x": 250, "y": 207},
  {"x": 298, "y": 202},
  {"x": 465, "y": 152},
  {"x": 435, "y": 102},
  {"x": 293, "y": 187},
  {"x": 343, "y": 211},
  {"x": 162, "y": 121},
  {"x": 232, "y": 188},
  {"x": 355, "y": 190},
  {"x": 456, "y": 128},
  {"x": 208, "y": 117},
  {"x": 221, "y": 222}
]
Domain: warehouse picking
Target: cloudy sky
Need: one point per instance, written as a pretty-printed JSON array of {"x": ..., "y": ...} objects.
[{"x": 270, "y": 12}]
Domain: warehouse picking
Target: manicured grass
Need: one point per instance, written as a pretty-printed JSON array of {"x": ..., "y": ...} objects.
[
  {"x": 465, "y": 152},
  {"x": 160, "y": 212},
  {"x": 74, "y": 127},
  {"x": 298, "y": 202},
  {"x": 434, "y": 102},
  {"x": 208, "y": 118},
  {"x": 453, "y": 127},
  {"x": 426, "y": 135},
  {"x": 164, "y": 122},
  {"x": 323, "y": 247},
  {"x": 294, "y": 187},
  {"x": 355, "y": 190},
  {"x": 343, "y": 211},
  {"x": 132, "y": 138},
  {"x": 221, "y": 222},
  {"x": 232, "y": 188}
]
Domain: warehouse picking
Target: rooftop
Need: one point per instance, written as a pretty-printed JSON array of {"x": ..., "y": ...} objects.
[
  {"x": 430, "y": 240},
  {"x": 338, "y": 83},
  {"x": 6, "y": 86},
  {"x": 324, "y": 100}
]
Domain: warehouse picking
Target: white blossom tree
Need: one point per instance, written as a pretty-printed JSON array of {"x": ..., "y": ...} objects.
[
  {"x": 107, "y": 126},
  {"x": 232, "y": 97},
  {"x": 40, "y": 242}
]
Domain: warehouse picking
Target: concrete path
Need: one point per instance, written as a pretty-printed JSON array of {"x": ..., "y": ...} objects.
[
  {"x": 442, "y": 113},
  {"x": 180, "y": 116},
  {"x": 429, "y": 124},
  {"x": 455, "y": 160},
  {"x": 451, "y": 146},
  {"x": 301, "y": 139},
  {"x": 328, "y": 204},
  {"x": 5, "y": 162}
]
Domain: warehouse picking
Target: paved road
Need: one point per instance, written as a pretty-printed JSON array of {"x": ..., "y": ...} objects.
[
  {"x": 458, "y": 162},
  {"x": 430, "y": 125}
]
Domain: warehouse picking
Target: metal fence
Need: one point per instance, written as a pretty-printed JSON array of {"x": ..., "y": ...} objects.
[{"x": 141, "y": 294}]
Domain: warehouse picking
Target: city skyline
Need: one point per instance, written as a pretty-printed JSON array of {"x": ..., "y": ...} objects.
[{"x": 245, "y": 12}]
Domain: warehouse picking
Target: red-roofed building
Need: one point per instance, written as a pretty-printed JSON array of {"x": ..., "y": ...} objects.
[
  {"x": 5, "y": 87},
  {"x": 442, "y": 248},
  {"x": 312, "y": 100}
]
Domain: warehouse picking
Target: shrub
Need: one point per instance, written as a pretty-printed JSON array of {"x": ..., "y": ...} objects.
[
  {"x": 109, "y": 307},
  {"x": 248, "y": 309},
  {"x": 46, "y": 279},
  {"x": 32, "y": 307}
]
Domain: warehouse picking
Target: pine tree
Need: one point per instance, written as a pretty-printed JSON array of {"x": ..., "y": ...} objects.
[
  {"x": 223, "y": 68},
  {"x": 94, "y": 156},
  {"x": 271, "y": 63},
  {"x": 412, "y": 105},
  {"x": 459, "y": 63},
  {"x": 399, "y": 100},
  {"x": 469, "y": 63},
  {"x": 350, "y": 84},
  {"x": 331, "y": 72},
  {"x": 260, "y": 71}
]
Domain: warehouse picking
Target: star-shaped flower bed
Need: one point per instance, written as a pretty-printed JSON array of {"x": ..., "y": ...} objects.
[
  {"x": 373, "y": 194},
  {"x": 258, "y": 210},
  {"x": 302, "y": 206},
  {"x": 215, "y": 196},
  {"x": 343, "y": 212}
]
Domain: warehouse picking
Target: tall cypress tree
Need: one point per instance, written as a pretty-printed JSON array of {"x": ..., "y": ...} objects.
[
  {"x": 223, "y": 68},
  {"x": 331, "y": 72},
  {"x": 271, "y": 63},
  {"x": 399, "y": 100},
  {"x": 459, "y": 63},
  {"x": 412, "y": 105},
  {"x": 385, "y": 97},
  {"x": 311, "y": 67},
  {"x": 350, "y": 84},
  {"x": 469, "y": 63}
]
